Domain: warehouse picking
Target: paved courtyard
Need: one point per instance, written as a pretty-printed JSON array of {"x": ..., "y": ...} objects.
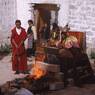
[{"x": 6, "y": 74}]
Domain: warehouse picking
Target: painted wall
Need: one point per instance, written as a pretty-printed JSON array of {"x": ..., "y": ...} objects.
[
  {"x": 80, "y": 14},
  {"x": 82, "y": 18},
  {"x": 23, "y": 12},
  {"x": 45, "y": 1},
  {"x": 7, "y": 17},
  {"x": 63, "y": 12}
]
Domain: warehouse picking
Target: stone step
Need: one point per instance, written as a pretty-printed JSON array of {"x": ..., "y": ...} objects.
[{"x": 56, "y": 86}]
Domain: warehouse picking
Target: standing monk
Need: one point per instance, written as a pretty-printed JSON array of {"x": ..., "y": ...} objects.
[
  {"x": 19, "y": 58},
  {"x": 32, "y": 37}
]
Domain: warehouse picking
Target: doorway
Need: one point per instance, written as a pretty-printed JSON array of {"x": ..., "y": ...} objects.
[{"x": 43, "y": 14}]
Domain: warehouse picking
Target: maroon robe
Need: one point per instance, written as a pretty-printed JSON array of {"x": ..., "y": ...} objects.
[{"x": 19, "y": 58}]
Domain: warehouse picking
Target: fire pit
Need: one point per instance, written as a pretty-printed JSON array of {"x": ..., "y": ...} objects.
[
  {"x": 40, "y": 79},
  {"x": 39, "y": 86}
]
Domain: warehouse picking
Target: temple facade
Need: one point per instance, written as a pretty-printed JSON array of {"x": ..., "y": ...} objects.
[
  {"x": 79, "y": 14},
  {"x": 8, "y": 13}
]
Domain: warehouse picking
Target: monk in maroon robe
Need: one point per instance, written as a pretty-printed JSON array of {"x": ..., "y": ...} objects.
[{"x": 19, "y": 58}]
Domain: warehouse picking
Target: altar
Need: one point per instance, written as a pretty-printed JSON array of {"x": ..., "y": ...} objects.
[{"x": 73, "y": 62}]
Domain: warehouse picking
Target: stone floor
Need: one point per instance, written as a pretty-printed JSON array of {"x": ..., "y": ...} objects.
[
  {"x": 86, "y": 90},
  {"x": 6, "y": 74}
]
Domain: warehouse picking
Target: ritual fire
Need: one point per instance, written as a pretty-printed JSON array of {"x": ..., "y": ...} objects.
[
  {"x": 39, "y": 78},
  {"x": 37, "y": 71}
]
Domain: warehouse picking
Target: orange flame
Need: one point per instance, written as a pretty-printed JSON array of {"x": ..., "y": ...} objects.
[{"x": 37, "y": 71}]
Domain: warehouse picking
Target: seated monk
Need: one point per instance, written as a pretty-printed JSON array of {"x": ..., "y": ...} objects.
[
  {"x": 73, "y": 62},
  {"x": 76, "y": 65},
  {"x": 67, "y": 41},
  {"x": 71, "y": 41}
]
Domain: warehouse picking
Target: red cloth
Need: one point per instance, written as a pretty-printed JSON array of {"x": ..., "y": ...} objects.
[{"x": 19, "y": 58}]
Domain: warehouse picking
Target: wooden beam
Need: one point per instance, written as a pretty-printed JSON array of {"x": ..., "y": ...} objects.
[{"x": 46, "y": 6}]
